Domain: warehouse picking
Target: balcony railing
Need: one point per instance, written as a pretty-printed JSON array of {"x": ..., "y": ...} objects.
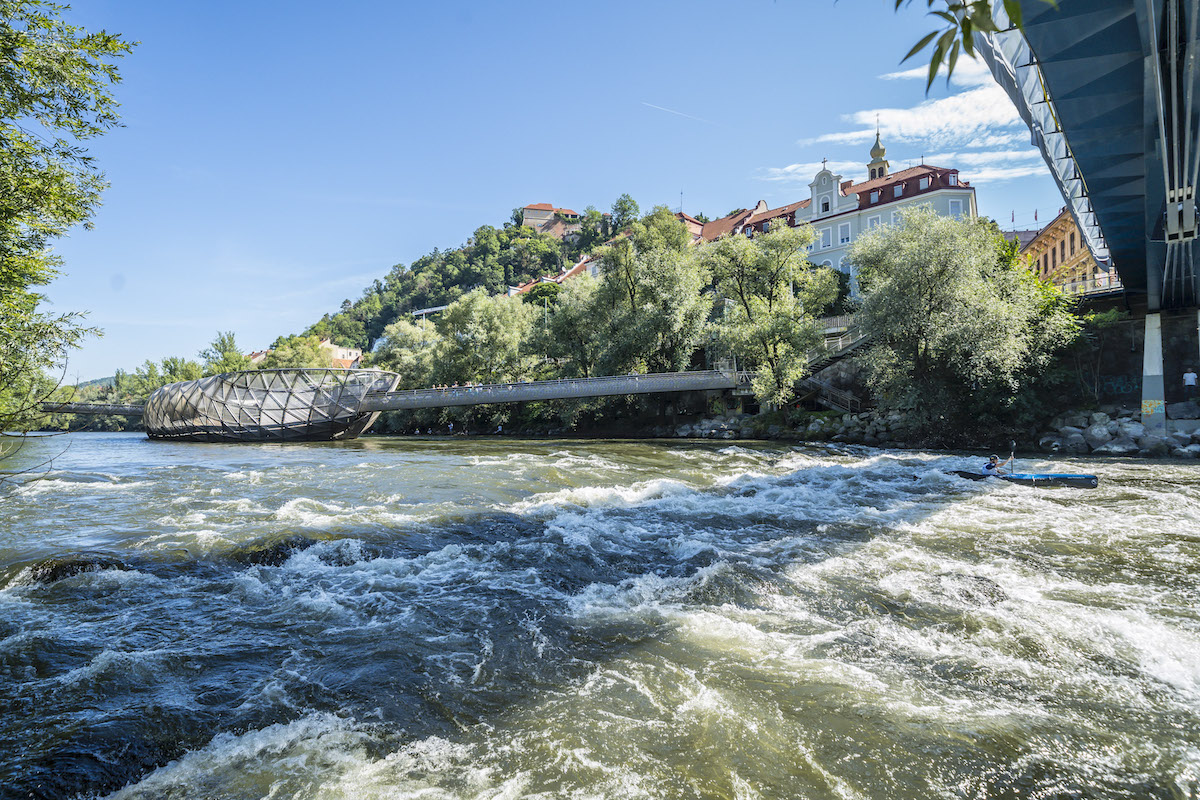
[{"x": 1101, "y": 283}]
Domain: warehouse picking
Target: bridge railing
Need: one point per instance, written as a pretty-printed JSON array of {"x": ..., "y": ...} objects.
[
  {"x": 561, "y": 389},
  {"x": 1097, "y": 284}
]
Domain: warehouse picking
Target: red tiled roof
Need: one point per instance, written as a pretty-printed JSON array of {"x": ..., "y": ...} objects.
[
  {"x": 900, "y": 177},
  {"x": 776, "y": 212},
  {"x": 719, "y": 227},
  {"x": 539, "y": 207}
]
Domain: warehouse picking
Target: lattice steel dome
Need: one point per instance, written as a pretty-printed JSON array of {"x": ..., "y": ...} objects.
[{"x": 267, "y": 405}]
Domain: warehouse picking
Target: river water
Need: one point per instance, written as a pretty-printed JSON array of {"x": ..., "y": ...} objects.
[{"x": 499, "y": 618}]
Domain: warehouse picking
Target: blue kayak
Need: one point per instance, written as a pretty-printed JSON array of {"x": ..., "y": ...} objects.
[{"x": 1036, "y": 478}]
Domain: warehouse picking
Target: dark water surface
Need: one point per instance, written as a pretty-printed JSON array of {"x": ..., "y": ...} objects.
[{"x": 497, "y": 618}]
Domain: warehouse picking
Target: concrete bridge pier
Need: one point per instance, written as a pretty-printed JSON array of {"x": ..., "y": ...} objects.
[{"x": 1154, "y": 398}]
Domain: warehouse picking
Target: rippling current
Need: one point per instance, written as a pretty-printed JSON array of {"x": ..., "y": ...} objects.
[{"x": 497, "y": 618}]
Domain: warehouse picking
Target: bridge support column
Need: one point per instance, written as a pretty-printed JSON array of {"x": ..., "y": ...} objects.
[{"x": 1154, "y": 406}]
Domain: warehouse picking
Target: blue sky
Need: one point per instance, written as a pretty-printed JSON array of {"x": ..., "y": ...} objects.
[{"x": 277, "y": 157}]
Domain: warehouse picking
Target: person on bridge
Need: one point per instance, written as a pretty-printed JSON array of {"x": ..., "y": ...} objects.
[
  {"x": 1189, "y": 383},
  {"x": 994, "y": 466}
]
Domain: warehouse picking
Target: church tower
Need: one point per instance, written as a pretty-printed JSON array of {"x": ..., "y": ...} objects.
[{"x": 878, "y": 168}]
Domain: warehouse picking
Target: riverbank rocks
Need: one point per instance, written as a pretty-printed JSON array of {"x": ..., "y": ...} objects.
[{"x": 1119, "y": 431}]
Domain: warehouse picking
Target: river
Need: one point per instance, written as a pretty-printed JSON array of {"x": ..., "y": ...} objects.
[{"x": 503, "y": 618}]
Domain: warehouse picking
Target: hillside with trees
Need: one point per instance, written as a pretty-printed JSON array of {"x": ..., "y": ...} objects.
[{"x": 492, "y": 260}]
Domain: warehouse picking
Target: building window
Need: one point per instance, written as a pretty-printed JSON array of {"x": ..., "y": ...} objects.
[
  {"x": 1062, "y": 251},
  {"x": 956, "y": 208},
  {"x": 824, "y": 205},
  {"x": 872, "y": 173},
  {"x": 1072, "y": 242},
  {"x": 924, "y": 183},
  {"x": 844, "y": 233},
  {"x": 895, "y": 218},
  {"x": 953, "y": 178},
  {"x": 1053, "y": 257},
  {"x": 875, "y": 196},
  {"x": 873, "y": 222},
  {"x": 898, "y": 190},
  {"x": 826, "y": 238}
]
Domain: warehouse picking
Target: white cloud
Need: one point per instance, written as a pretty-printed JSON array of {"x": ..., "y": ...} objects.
[
  {"x": 940, "y": 123},
  {"x": 967, "y": 72},
  {"x": 976, "y": 129},
  {"x": 803, "y": 173}
]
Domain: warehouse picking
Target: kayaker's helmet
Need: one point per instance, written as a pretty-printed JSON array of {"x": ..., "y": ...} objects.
[{"x": 993, "y": 458}]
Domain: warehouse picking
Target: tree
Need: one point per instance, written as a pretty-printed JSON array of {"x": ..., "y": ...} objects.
[
  {"x": 772, "y": 298},
  {"x": 542, "y": 294},
  {"x": 408, "y": 349},
  {"x": 650, "y": 296},
  {"x": 223, "y": 355},
  {"x": 624, "y": 213},
  {"x": 295, "y": 352},
  {"x": 578, "y": 327},
  {"x": 54, "y": 95},
  {"x": 958, "y": 324},
  {"x": 481, "y": 339}
]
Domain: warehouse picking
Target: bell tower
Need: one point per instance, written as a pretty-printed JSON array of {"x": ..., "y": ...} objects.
[{"x": 878, "y": 168}]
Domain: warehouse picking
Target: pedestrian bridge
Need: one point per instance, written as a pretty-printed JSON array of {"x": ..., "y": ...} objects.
[{"x": 333, "y": 404}]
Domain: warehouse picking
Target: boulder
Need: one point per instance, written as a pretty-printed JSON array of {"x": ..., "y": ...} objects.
[
  {"x": 1075, "y": 443},
  {"x": 1194, "y": 449},
  {"x": 1050, "y": 443},
  {"x": 1183, "y": 425},
  {"x": 1097, "y": 435},
  {"x": 1100, "y": 418},
  {"x": 1075, "y": 420},
  {"x": 1132, "y": 430},
  {"x": 1121, "y": 446},
  {"x": 1182, "y": 452},
  {"x": 1185, "y": 410},
  {"x": 1179, "y": 439},
  {"x": 1154, "y": 446},
  {"x": 1114, "y": 427}
]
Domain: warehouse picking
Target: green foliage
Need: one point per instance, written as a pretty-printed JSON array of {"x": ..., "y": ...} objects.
[
  {"x": 961, "y": 19},
  {"x": 54, "y": 95},
  {"x": 577, "y": 333},
  {"x": 650, "y": 303},
  {"x": 960, "y": 328},
  {"x": 625, "y": 212},
  {"x": 223, "y": 355},
  {"x": 481, "y": 338},
  {"x": 772, "y": 298},
  {"x": 543, "y": 293},
  {"x": 493, "y": 259},
  {"x": 295, "y": 352},
  {"x": 149, "y": 376},
  {"x": 408, "y": 349}
]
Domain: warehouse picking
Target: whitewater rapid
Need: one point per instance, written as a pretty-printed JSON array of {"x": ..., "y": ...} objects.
[{"x": 471, "y": 618}]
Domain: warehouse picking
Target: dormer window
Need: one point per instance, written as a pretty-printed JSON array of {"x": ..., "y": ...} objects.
[
  {"x": 875, "y": 196},
  {"x": 924, "y": 183},
  {"x": 953, "y": 179},
  {"x": 898, "y": 190}
]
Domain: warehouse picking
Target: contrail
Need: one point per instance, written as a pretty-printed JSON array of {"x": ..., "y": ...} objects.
[{"x": 679, "y": 113}]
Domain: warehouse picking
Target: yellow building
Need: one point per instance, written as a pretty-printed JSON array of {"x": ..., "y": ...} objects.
[{"x": 1059, "y": 255}]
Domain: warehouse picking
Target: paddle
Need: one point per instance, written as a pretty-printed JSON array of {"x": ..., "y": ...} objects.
[{"x": 1012, "y": 457}]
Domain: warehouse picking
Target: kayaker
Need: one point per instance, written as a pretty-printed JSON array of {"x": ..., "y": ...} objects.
[{"x": 994, "y": 466}]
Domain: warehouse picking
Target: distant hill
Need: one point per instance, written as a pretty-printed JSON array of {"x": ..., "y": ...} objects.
[{"x": 104, "y": 383}]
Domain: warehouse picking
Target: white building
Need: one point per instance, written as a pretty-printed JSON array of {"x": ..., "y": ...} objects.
[{"x": 839, "y": 211}]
